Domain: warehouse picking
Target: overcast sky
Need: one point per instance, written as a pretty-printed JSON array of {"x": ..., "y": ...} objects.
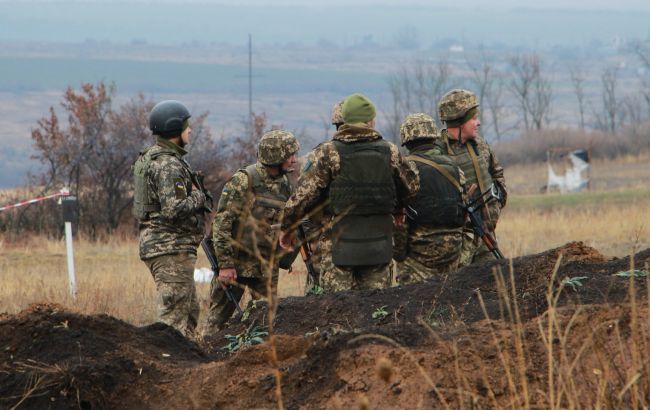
[{"x": 543, "y": 4}]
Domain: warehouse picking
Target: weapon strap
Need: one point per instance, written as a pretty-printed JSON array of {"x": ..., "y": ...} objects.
[
  {"x": 438, "y": 168},
  {"x": 477, "y": 169}
]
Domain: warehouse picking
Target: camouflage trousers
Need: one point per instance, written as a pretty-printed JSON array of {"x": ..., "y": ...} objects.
[
  {"x": 474, "y": 250},
  {"x": 337, "y": 278},
  {"x": 221, "y": 309},
  {"x": 177, "y": 302},
  {"x": 313, "y": 283},
  {"x": 429, "y": 254}
]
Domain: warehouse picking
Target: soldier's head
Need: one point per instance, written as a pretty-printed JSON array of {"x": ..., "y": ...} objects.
[
  {"x": 416, "y": 129},
  {"x": 358, "y": 109},
  {"x": 277, "y": 151},
  {"x": 170, "y": 119},
  {"x": 337, "y": 114},
  {"x": 459, "y": 111}
]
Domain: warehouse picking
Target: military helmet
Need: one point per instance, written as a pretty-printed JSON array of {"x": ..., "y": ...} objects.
[
  {"x": 455, "y": 104},
  {"x": 167, "y": 117},
  {"x": 337, "y": 113},
  {"x": 276, "y": 146},
  {"x": 417, "y": 127}
]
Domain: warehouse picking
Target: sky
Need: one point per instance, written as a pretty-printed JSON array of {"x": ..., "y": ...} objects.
[{"x": 541, "y": 4}]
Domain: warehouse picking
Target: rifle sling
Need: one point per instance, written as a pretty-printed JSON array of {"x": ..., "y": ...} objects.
[{"x": 438, "y": 168}]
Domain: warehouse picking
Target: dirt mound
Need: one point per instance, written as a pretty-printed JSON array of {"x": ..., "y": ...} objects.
[
  {"x": 428, "y": 345},
  {"x": 454, "y": 299},
  {"x": 63, "y": 359}
]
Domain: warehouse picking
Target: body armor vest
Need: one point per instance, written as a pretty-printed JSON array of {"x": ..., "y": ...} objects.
[
  {"x": 438, "y": 203},
  {"x": 476, "y": 172},
  {"x": 265, "y": 209},
  {"x": 143, "y": 203},
  {"x": 362, "y": 198}
]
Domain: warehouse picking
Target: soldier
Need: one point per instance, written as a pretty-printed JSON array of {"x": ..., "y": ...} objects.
[
  {"x": 169, "y": 203},
  {"x": 361, "y": 180},
  {"x": 314, "y": 222},
  {"x": 432, "y": 236},
  {"x": 245, "y": 242},
  {"x": 461, "y": 141}
]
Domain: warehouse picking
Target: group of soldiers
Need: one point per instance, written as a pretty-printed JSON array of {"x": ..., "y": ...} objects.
[{"x": 369, "y": 215}]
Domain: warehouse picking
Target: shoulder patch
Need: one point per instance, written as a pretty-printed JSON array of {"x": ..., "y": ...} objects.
[
  {"x": 308, "y": 165},
  {"x": 180, "y": 191}
]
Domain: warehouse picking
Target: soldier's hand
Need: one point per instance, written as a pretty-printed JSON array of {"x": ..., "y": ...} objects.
[
  {"x": 399, "y": 217},
  {"x": 228, "y": 275},
  {"x": 472, "y": 189},
  {"x": 287, "y": 240}
]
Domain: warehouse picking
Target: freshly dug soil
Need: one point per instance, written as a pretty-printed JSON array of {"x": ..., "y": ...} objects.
[{"x": 473, "y": 338}]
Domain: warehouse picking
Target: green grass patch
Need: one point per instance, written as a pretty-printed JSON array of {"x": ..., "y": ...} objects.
[{"x": 548, "y": 201}]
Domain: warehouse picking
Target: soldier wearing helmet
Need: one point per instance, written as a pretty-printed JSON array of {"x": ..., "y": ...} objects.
[
  {"x": 314, "y": 223},
  {"x": 359, "y": 180},
  {"x": 431, "y": 239},
  {"x": 460, "y": 140},
  {"x": 251, "y": 203},
  {"x": 169, "y": 203}
]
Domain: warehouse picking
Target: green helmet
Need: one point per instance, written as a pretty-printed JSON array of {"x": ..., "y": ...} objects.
[
  {"x": 417, "y": 127},
  {"x": 167, "y": 118},
  {"x": 276, "y": 146},
  {"x": 455, "y": 104},
  {"x": 337, "y": 113}
]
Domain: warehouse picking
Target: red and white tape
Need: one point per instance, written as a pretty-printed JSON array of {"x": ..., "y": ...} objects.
[{"x": 63, "y": 192}]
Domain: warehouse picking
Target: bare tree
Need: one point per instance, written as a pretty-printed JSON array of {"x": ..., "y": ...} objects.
[
  {"x": 488, "y": 82},
  {"x": 608, "y": 117},
  {"x": 642, "y": 50},
  {"x": 578, "y": 77},
  {"x": 531, "y": 89},
  {"x": 417, "y": 88}
]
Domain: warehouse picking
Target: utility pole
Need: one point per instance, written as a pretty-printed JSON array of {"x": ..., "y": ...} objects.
[{"x": 250, "y": 82}]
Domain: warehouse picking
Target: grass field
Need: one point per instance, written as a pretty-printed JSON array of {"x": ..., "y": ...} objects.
[{"x": 112, "y": 280}]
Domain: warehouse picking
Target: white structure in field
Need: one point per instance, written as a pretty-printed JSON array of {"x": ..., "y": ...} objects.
[{"x": 576, "y": 175}]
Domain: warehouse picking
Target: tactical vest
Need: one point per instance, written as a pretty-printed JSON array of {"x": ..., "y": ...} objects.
[
  {"x": 265, "y": 208},
  {"x": 438, "y": 202},
  {"x": 362, "y": 198},
  {"x": 476, "y": 172},
  {"x": 143, "y": 203}
]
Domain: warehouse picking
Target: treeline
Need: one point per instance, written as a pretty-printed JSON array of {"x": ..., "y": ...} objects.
[
  {"x": 518, "y": 96},
  {"x": 90, "y": 151}
]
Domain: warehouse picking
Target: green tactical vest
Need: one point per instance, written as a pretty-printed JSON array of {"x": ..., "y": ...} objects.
[
  {"x": 143, "y": 203},
  {"x": 362, "y": 198},
  {"x": 265, "y": 208},
  {"x": 477, "y": 171}
]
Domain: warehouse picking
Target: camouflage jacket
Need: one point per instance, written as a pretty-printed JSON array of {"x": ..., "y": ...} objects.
[
  {"x": 179, "y": 224},
  {"x": 233, "y": 211},
  {"x": 311, "y": 192}
]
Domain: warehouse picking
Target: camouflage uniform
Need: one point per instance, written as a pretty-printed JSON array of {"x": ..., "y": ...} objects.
[
  {"x": 312, "y": 193},
  {"x": 171, "y": 230},
  {"x": 313, "y": 224},
  {"x": 482, "y": 170},
  {"x": 425, "y": 251},
  {"x": 242, "y": 223}
]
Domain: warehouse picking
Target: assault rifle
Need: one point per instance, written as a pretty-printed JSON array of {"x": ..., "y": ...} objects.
[
  {"x": 306, "y": 254},
  {"x": 478, "y": 225},
  {"x": 206, "y": 244}
]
